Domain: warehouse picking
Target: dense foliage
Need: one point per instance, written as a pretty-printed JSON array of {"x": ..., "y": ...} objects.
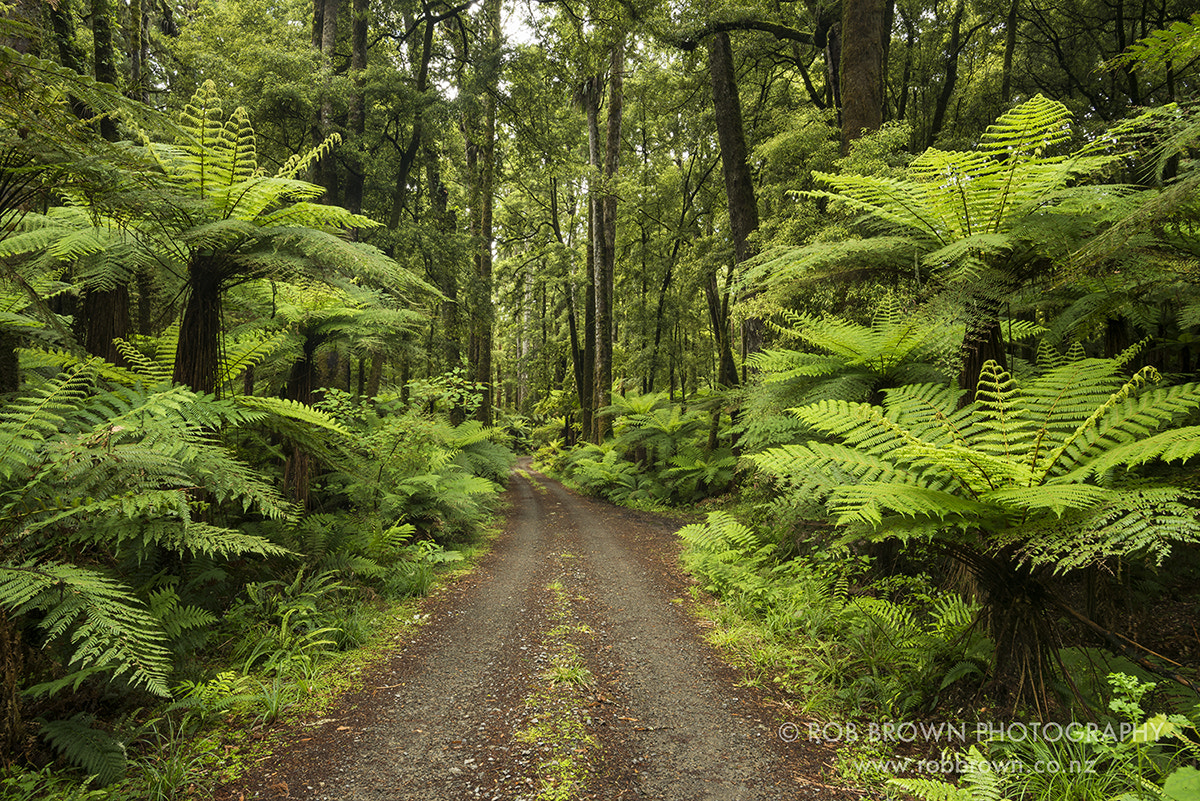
[{"x": 911, "y": 287}]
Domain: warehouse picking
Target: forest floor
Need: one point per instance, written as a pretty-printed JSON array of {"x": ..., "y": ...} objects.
[{"x": 566, "y": 666}]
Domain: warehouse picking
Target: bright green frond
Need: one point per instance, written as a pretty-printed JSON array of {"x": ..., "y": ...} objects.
[
  {"x": 293, "y": 410},
  {"x": 869, "y": 502},
  {"x": 106, "y": 626},
  {"x": 1056, "y": 498},
  {"x": 1179, "y": 444}
]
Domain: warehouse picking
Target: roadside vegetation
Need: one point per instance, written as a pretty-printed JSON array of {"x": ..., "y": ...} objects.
[{"x": 891, "y": 539}]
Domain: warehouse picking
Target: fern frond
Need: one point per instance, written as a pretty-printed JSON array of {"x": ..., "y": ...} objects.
[
  {"x": 106, "y": 626},
  {"x": 294, "y": 411},
  {"x": 868, "y": 502},
  {"x": 94, "y": 750}
]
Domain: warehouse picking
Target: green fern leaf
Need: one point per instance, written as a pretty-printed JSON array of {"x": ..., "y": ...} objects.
[{"x": 91, "y": 749}]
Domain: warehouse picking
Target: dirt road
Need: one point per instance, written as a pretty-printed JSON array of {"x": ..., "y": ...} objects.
[{"x": 565, "y": 667}]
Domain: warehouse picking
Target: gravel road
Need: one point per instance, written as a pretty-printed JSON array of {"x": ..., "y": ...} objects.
[{"x": 565, "y": 667}]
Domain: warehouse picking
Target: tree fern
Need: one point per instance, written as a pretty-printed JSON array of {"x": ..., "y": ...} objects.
[
  {"x": 1031, "y": 475},
  {"x": 94, "y": 483}
]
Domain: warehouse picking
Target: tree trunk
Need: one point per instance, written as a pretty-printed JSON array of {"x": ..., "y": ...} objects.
[
  {"x": 25, "y": 13},
  {"x": 727, "y": 375},
  {"x": 739, "y": 187},
  {"x": 106, "y": 317},
  {"x": 409, "y": 153},
  {"x": 943, "y": 101},
  {"x": 376, "y": 377},
  {"x": 11, "y": 727},
  {"x": 138, "y": 52},
  {"x": 62, "y": 19},
  {"x": 590, "y": 98},
  {"x": 862, "y": 68},
  {"x": 198, "y": 354},
  {"x": 1010, "y": 47},
  {"x": 484, "y": 318},
  {"x": 10, "y": 362},
  {"x": 356, "y": 116},
  {"x": 607, "y": 237},
  {"x": 444, "y": 268},
  {"x": 297, "y": 470},
  {"x": 105, "y": 57},
  {"x": 983, "y": 342},
  {"x": 910, "y": 42},
  {"x": 326, "y": 167}
]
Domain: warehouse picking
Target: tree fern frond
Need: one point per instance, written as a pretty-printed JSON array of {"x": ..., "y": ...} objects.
[
  {"x": 784, "y": 365},
  {"x": 868, "y": 502},
  {"x": 1057, "y": 498},
  {"x": 1037, "y": 125},
  {"x": 106, "y": 626},
  {"x": 293, "y": 410},
  {"x": 249, "y": 350},
  {"x": 1142, "y": 377},
  {"x": 859, "y": 424},
  {"x": 299, "y": 163},
  {"x": 1179, "y": 444},
  {"x": 901, "y": 202}
]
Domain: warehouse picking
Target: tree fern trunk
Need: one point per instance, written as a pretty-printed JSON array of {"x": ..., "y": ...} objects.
[
  {"x": 11, "y": 728},
  {"x": 1019, "y": 617},
  {"x": 297, "y": 471},
  {"x": 983, "y": 342},
  {"x": 10, "y": 363},
  {"x": 199, "y": 351},
  {"x": 106, "y": 315}
]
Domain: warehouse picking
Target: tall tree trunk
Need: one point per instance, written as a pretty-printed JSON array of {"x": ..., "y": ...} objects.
[
  {"x": 718, "y": 316},
  {"x": 356, "y": 116},
  {"x": 943, "y": 101},
  {"x": 409, "y": 153},
  {"x": 739, "y": 187},
  {"x": 589, "y": 97},
  {"x": 326, "y": 167},
  {"x": 139, "y": 88},
  {"x": 444, "y": 269},
  {"x": 105, "y": 57},
  {"x": 1010, "y": 47},
  {"x": 862, "y": 68},
  {"x": 487, "y": 168},
  {"x": 27, "y": 14},
  {"x": 910, "y": 42},
  {"x": 70, "y": 55},
  {"x": 607, "y": 237}
]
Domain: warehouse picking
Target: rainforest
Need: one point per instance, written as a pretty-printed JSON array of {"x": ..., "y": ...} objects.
[{"x": 528, "y": 386}]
